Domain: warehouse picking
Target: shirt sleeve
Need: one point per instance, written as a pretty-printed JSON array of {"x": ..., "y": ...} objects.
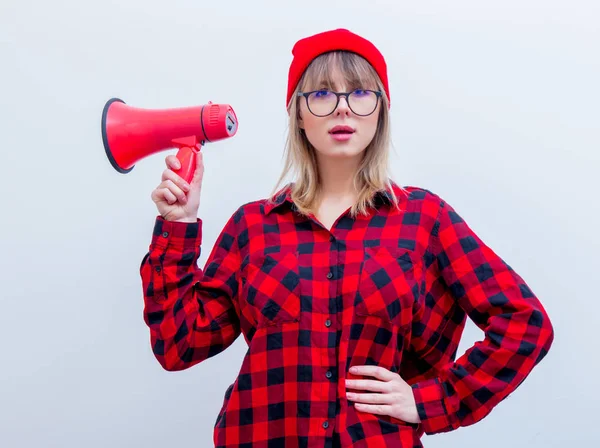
[
  {"x": 518, "y": 331},
  {"x": 192, "y": 313}
]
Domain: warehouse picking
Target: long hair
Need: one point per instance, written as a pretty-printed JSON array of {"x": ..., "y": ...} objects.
[{"x": 373, "y": 172}]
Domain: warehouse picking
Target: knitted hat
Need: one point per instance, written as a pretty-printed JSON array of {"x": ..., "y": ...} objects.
[{"x": 308, "y": 48}]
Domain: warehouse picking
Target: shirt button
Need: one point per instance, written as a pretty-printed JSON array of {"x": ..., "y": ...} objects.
[
  {"x": 157, "y": 268},
  {"x": 332, "y": 238},
  {"x": 328, "y": 323},
  {"x": 325, "y": 425},
  {"x": 328, "y": 374},
  {"x": 165, "y": 234},
  {"x": 329, "y": 274}
]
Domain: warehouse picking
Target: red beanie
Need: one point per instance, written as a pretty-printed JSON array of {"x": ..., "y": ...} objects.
[{"x": 308, "y": 48}]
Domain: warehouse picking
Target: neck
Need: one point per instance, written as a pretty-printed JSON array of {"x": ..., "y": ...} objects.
[{"x": 337, "y": 176}]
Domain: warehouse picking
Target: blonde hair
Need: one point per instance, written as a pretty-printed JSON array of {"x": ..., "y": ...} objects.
[{"x": 372, "y": 175}]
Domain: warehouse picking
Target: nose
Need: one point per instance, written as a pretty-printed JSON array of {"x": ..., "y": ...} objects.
[{"x": 342, "y": 107}]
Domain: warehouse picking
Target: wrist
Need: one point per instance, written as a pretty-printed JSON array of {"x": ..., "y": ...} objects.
[{"x": 188, "y": 220}]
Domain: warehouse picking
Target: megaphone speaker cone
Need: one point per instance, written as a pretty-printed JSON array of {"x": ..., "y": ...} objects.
[{"x": 105, "y": 139}]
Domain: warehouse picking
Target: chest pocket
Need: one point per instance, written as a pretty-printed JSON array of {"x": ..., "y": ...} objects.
[
  {"x": 388, "y": 285},
  {"x": 271, "y": 288}
]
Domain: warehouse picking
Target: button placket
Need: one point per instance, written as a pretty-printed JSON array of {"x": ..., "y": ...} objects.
[{"x": 330, "y": 275}]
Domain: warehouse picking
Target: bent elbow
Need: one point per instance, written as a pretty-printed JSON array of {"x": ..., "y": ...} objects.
[
  {"x": 545, "y": 336},
  {"x": 166, "y": 354},
  {"x": 171, "y": 367}
]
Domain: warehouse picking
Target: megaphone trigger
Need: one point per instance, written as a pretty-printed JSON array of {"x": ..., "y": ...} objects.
[{"x": 187, "y": 158}]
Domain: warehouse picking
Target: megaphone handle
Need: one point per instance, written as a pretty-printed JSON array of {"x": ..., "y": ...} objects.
[{"x": 187, "y": 157}]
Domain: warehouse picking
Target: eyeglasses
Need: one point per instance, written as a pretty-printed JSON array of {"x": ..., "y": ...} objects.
[{"x": 324, "y": 102}]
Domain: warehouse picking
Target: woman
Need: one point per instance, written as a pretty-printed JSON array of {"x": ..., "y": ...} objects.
[{"x": 351, "y": 291}]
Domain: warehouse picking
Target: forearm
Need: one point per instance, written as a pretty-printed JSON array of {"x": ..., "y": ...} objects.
[{"x": 189, "y": 311}]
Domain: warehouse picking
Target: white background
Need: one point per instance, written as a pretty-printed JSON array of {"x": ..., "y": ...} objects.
[{"x": 494, "y": 108}]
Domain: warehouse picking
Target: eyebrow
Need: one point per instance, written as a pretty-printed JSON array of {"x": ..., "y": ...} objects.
[
  {"x": 352, "y": 85},
  {"x": 324, "y": 85}
]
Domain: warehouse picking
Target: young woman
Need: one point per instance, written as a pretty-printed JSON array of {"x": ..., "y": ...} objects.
[{"x": 351, "y": 291}]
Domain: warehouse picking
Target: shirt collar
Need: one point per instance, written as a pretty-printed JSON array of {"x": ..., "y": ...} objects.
[{"x": 284, "y": 197}]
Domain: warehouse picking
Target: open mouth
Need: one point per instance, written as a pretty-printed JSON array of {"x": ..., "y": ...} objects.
[{"x": 341, "y": 130}]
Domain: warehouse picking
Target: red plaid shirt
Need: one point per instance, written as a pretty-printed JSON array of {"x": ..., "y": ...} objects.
[{"x": 392, "y": 289}]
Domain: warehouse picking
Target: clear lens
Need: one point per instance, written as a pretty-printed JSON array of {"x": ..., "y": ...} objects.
[
  {"x": 322, "y": 102},
  {"x": 361, "y": 102}
]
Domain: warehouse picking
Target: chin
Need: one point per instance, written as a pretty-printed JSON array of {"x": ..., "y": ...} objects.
[{"x": 340, "y": 151}]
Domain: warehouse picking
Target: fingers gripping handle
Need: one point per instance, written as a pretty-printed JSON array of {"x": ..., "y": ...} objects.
[{"x": 187, "y": 156}]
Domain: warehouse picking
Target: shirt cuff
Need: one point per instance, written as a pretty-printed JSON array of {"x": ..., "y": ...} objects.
[
  {"x": 430, "y": 399},
  {"x": 180, "y": 236}
]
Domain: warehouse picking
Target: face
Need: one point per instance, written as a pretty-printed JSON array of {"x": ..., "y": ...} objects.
[{"x": 342, "y": 133}]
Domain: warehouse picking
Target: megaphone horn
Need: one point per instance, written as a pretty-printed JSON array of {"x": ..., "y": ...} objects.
[{"x": 129, "y": 134}]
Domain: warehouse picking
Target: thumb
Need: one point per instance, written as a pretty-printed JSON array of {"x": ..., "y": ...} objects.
[{"x": 199, "y": 170}]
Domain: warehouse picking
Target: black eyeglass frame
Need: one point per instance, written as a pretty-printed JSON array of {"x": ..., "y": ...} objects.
[{"x": 377, "y": 93}]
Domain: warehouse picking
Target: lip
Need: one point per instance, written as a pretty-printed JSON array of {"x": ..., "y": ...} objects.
[{"x": 342, "y": 128}]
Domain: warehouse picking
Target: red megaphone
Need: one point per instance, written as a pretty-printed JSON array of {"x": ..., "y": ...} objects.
[{"x": 130, "y": 134}]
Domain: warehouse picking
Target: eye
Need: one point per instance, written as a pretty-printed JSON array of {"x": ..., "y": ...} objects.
[
  {"x": 322, "y": 93},
  {"x": 361, "y": 92}
]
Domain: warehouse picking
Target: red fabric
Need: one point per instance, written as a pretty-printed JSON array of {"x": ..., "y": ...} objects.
[
  {"x": 392, "y": 289},
  {"x": 308, "y": 48}
]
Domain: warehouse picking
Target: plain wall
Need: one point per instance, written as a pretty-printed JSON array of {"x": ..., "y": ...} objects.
[{"x": 494, "y": 108}]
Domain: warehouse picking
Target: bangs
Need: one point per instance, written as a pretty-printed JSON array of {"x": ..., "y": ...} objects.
[{"x": 355, "y": 71}]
